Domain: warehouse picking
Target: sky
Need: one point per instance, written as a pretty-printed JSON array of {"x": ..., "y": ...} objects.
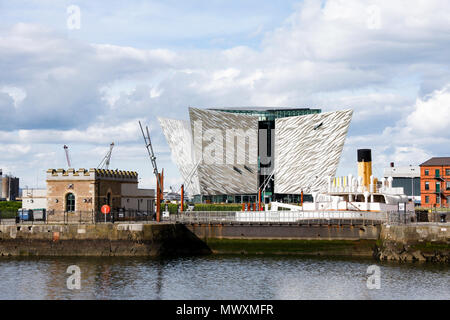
[{"x": 83, "y": 73}]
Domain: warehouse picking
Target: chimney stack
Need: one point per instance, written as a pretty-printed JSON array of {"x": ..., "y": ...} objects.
[{"x": 365, "y": 166}]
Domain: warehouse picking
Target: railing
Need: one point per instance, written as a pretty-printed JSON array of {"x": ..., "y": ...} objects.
[
  {"x": 438, "y": 216},
  {"x": 234, "y": 217},
  {"x": 280, "y": 217},
  {"x": 417, "y": 217},
  {"x": 76, "y": 217},
  {"x": 408, "y": 217}
]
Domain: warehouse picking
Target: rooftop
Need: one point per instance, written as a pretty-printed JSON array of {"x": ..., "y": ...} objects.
[
  {"x": 261, "y": 109},
  {"x": 269, "y": 113},
  {"x": 438, "y": 161},
  {"x": 91, "y": 174}
]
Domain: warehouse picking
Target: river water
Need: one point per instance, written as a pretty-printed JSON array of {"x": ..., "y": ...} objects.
[{"x": 220, "y": 277}]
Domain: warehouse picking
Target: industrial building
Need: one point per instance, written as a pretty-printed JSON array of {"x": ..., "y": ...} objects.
[
  {"x": 9, "y": 187},
  {"x": 407, "y": 178},
  {"x": 435, "y": 182},
  {"x": 233, "y": 154},
  {"x": 172, "y": 195}
]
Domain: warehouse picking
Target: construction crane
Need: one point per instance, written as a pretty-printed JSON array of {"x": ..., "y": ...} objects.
[
  {"x": 66, "y": 149},
  {"x": 159, "y": 176},
  {"x": 104, "y": 164}
]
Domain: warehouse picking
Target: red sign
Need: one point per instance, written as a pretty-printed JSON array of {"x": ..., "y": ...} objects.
[{"x": 106, "y": 209}]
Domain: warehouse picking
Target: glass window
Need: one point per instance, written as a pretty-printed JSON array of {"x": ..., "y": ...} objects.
[
  {"x": 447, "y": 172},
  {"x": 438, "y": 199},
  {"x": 427, "y": 199},
  {"x": 427, "y": 186},
  {"x": 70, "y": 202},
  {"x": 438, "y": 173},
  {"x": 427, "y": 172},
  {"x": 448, "y": 185}
]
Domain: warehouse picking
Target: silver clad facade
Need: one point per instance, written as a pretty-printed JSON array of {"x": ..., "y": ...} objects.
[
  {"x": 179, "y": 137},
  {"x": 226, "y": 145},
  {"x": 308, "y": 149}
]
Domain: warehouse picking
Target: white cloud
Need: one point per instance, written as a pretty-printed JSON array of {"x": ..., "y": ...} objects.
[
  {"x": 432, "y": 114},
  {"x": 17, "y": 94},
  {"x": 95, "y": 134}
]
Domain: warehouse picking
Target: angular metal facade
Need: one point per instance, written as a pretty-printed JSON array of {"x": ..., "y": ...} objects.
[
  {"x": 308, "y": 149},
  {"x": 179, "y": 137},
  {"x": 227, "y": 145},
  {"x": 218, "y": 151}
]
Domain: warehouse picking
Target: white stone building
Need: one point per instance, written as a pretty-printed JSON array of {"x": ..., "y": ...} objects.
[{"x": 34, "y": 199}]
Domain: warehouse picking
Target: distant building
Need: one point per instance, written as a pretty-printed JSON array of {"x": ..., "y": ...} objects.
[
  {"x": 88, "y": 190},
  {"x": 34, "y": 199},
  {"x": 407, "y": 178},
  {"x": 9, "y": 189},
  {"x": 171, "y": 195},
  {"x": 435, "y": 182}
]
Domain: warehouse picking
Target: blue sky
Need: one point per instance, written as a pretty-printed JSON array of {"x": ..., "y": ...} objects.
[
  {"x": 137, "y": 60},
  {"x": 154, "y": 24}
]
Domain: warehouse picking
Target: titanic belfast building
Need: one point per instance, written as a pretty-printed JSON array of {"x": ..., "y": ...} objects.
[{"x": 232, "y": 154}]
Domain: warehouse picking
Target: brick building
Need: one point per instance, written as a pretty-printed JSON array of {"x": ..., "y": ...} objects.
[
  {"x": 88, "y": 190},
  {"x": 435, "y": 182}
]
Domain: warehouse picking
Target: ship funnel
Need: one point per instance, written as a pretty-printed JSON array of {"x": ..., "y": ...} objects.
[{"x": 365, "y": 166}]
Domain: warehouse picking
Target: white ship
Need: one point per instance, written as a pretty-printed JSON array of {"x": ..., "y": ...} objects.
[{"x": 362, "y": 197}]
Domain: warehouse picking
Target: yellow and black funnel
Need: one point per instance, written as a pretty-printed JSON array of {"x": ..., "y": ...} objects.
[{"x": 365, "y": 165}]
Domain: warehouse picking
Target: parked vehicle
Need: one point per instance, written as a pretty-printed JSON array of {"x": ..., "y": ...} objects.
[
  {"x": 24, "y": 215},
  {"x": 39, "y": 214}
]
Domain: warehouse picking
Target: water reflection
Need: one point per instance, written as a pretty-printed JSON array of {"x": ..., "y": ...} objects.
[{"x": 233, "y": 277}]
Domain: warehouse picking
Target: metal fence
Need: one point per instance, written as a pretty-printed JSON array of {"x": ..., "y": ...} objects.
[
  {"x": 436, "y": 216},
  {"x": 76, "y": 217},
  {"x": 221, "y": 217},
  {"x": 280, "y": 217},
  {"x": 416, "y": 217},
  {"x": 408, "y": 217}
]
